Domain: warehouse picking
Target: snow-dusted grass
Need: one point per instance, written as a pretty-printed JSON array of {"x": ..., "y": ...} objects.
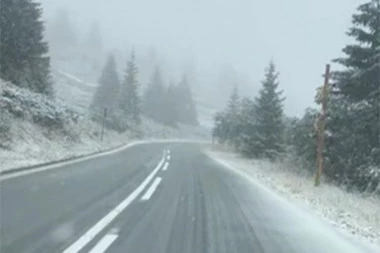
[
  {"x": 71, "y": 90},
  {"x": 354, "y": 213},
  {"x": 33, "y": 145},
  {"x": 35, "y": 129}
]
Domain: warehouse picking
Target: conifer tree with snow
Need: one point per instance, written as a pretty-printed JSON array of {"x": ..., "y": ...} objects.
[
  {"x": 24, "y": 60},
  {"x": 268, "y": 140},
  {"x": 353, "y": 149},
  {"x": 220, "y": 129},
  {"x": 301, "y": 137},
  {"x": 171, "y": 105},
  {"x": 154, "y": 97},
  {"x": 233, "y": 116},
  {"x": 233, "y": 102},
  {"x": 235, "y": 125},
  {"x": 187, "y": 109},
  {"x": 130, "y": 99},
  {"x": 246, "y": 122},
  {"x": 360, "y": 79},
  {"x": 107, "y": 92}
]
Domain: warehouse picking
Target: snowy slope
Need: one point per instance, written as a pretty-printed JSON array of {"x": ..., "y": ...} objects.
[
  {"x": 76, "y": 80},
  {"x": 37, "y": 129},
  {"x": 355, "y": 215},
  {"x": 73, "y": 90}
]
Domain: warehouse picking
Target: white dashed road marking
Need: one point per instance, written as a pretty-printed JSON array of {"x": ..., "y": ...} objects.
[
  {"x": 165, "y": 166},
  {"x": 151, "y": 189},
  {"x": 104, "y": 243},
  {"x": 106, "y": 220}
]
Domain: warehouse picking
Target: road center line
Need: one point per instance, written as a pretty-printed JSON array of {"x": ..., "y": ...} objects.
[
  {"x": 151, "y": 189},
  {"x": 104, "y": 243},
  {"x": 100, "y": 225},
  {"x": 166, "y": 165}
]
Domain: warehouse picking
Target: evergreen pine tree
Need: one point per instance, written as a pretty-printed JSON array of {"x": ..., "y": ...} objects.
[
  {"x": 233, "y": 103},
  {"x": 354, "y": 106},
  {"x": 245, "y": 138},
  {"x": 301, "y": 136},
  {"x": 107, "y": 93},
  {"x": 154, "y": 97},
  {"x": 220, "y": 129},
  {"x": 129, "y": 99},
  {"x": 232, "y": 114},
  {"x": 236, "y": 124},
  {"x": 360, "y": 80},
  {"x": 187, "y": 108},
  {"x": 171, "y": 101},
  {"x": 24, "y": 59},
  {"x": 269, "y": 116}
]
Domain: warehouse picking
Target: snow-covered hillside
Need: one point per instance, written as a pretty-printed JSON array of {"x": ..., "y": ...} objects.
[
  {"x": 74, "y": 91},
  {"x": 35, "y": 129},
  {"x": 76, "y": 79}
]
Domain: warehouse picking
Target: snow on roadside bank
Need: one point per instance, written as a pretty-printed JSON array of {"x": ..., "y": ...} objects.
[
  {"x": 31, "y": 145},
  {"x": 35, "y": 129},
  {"x": 353, "y": 213}
]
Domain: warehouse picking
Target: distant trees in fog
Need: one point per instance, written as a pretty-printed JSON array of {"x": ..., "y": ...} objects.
[
  {"x": 115, "y": 101},
  {"x": 107, "y": 93},
  {"x": 167, "y": 104},
  {"x": 170, "y": 104},
  {"x": 130, "y": 102}
]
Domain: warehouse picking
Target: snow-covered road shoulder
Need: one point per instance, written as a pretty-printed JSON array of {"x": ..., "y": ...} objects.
[{"x": 354, "y": 214}]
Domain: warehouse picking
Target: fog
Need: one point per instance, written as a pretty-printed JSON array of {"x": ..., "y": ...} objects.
[{"x": 225, "y": 41}]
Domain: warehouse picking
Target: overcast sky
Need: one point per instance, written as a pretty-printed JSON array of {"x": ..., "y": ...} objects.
[{"x": 301, "y": 36}]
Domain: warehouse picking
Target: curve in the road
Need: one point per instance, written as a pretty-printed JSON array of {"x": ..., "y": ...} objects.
[{"x": 106, "y": 220}]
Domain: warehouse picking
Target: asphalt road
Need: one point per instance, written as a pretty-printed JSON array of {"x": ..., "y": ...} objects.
[{"x": 154, "y": 198}]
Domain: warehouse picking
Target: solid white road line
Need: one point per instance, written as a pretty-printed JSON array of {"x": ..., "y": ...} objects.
[
  {"x": 104, "y": 243},
  {"x": 100, "y": 225},
  {"x": 122, "y": 148},
  {"x": 165, "y": 166},
  {"x": 151, "y": 189},
  {"x": 75, "y": 160}
]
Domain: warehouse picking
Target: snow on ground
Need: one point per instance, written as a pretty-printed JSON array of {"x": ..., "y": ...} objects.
[
  {"x": 76, "y": 79},
  {"x": 35, "y": 129},
  {"x": 353, "y": 213},
  {"x": 32, "y": 145},
  {"x": 73, "y": 91}
]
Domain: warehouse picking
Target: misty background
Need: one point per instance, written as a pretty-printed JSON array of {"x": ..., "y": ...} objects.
[{"x": 217, "y": 43}]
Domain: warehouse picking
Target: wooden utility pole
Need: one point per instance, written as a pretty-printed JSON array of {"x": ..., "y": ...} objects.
[{"x": 321, "y": 128}]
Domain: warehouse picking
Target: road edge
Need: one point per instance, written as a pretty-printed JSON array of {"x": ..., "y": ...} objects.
[{"x": 84, "y": 157}]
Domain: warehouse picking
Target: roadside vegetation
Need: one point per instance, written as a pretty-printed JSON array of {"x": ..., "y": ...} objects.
[
  {"x": 258, "y": 128},
  {"x": 39, "y": 122}
]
